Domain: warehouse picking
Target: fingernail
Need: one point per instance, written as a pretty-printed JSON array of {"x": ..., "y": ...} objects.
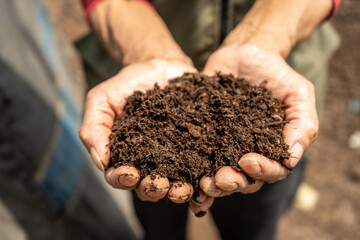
[
  {"x": 195, "y": 201},
  {"x": 96, "y": 158},
  {"x": 200, "y": 214},
  {"x": 195, "y": 197},
  {"x": 124, "y": 180},
  {"x": 180, "y": 198},
  {"x": 296, "y": 152},
  {"x": 250, "y": 166},
  {"x": 213, "y": 191},
  {"x": 227, "y": 186}
]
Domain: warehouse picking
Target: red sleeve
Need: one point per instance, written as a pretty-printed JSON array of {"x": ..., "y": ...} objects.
[
  {"x": 90, "y": 4},
  {"x": 336, "y": 5}
]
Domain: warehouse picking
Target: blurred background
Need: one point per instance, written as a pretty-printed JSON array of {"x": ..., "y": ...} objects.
[{"x": 327, "y": 206}]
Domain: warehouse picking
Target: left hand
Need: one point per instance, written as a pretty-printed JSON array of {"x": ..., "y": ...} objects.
[
  {"x": 105, "y": 102},
  {"x": 293, "y": 90}
]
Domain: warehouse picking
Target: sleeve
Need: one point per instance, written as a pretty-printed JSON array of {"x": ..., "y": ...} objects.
[
  {"x": 90, "y": 4},
  {"x": 335, "y": 8}
]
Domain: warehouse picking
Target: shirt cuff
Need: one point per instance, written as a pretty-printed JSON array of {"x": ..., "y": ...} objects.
[
  {"x": 90, "y": 4},
  {"x": 335, "y": 8}
]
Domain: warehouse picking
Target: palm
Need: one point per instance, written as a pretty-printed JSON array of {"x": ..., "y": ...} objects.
[
  {"x": 105, "y": 102},
  {"x": 295, "y": 92},
  {"x": 141, "y": 76}
]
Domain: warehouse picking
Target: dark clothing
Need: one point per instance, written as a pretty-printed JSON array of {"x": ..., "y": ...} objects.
[
  {"x": 251, "y": 217},
  {"x": 255, "y": 216}
]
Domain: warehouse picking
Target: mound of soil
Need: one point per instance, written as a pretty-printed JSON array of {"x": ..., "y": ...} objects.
[{"x": 196, "y": 125}]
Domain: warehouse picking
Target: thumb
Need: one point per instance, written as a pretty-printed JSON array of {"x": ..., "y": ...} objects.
[
  {"x": 303, "y": 127},
  {"x": 215, "y": 64},
  {"x": 209, "y": 69},
  {"x": 299, "y": 135},
  {"x": 96, "y": 127}
]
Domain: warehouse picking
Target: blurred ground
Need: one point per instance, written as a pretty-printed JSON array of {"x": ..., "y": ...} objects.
[{"x": 334, "y": 168}]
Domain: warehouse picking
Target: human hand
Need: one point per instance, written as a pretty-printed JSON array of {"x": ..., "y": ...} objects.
[
  {"x": 105, "y": 102},
  {"x": 293, "y": 90}
]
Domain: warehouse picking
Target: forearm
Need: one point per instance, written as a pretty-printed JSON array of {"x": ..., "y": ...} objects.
[
  {"x": 278, "y": 25},
  {"x": 133, "y": 32}
]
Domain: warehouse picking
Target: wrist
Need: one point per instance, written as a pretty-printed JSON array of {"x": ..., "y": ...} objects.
[
  {"x": 185, "y": 61},
  {"x": 278, "y": 25},
  {"x": 154, "y": 53},
  {"x": 277, "y": 40},
  {"x": 133, "y": 32}
]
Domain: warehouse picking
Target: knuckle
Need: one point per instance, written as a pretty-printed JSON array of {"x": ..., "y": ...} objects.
[
  {"x": 92, "y": 92},
  {"x": 312, "y": 129},
  {"x": 305, "y": 88},
  {"x": 310, "y": 87},
  {"x": 282, "y": 173},
  {"x": 111, "y": 182},
  {"x": 83, "y": 134},
  {"x": 254, "y": 187},
  {"x": 241, "y": 185},
  {"x": 250, "y": 189},
  {"x": 272, "y": 180},
  {"x": 280, "y": 176},
  {"x": 211, "y": 61},
  {"x": 245, "y": 191}
]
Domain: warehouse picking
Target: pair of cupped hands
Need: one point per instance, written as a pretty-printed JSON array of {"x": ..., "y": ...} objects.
[{"x": 106, "y": 101}]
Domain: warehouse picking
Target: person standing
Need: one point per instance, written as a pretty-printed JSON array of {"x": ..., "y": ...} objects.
[{"x": 285, "y": 42}]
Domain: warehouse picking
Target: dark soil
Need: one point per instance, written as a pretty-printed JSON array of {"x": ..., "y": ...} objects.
[{"x": 196, "y": 125}]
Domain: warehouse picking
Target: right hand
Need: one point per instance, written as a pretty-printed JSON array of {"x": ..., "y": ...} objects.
[
  {"x": 105, "y": 102},
  {"x": 297, "y": 95}
]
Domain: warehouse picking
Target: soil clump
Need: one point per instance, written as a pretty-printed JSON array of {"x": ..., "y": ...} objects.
[{"x": 196, "y": 125}]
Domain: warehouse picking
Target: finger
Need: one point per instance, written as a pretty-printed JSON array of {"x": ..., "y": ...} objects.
[
  {"x": 198, "y": 197},
  {"x": 296, "y": 92},
  {"x": 180, "y": 192},
  {"x": 303, "y": 128},
  {"x": 299, "y": 134},
  {"x": 123, "y": 177},
  {"x": 209, "y": 68},
  {"x": 151, "y": 189},
  {"x": 96, "y": 127},
  {"x": 180, "y": 69},
  {"x": 259, "y": 167},
  {"x": 230, "y": 180},
  {"x": 207, "y": 184},
  {"x": 212, "y": 64},
  {"x": 200, "y": 203}
]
